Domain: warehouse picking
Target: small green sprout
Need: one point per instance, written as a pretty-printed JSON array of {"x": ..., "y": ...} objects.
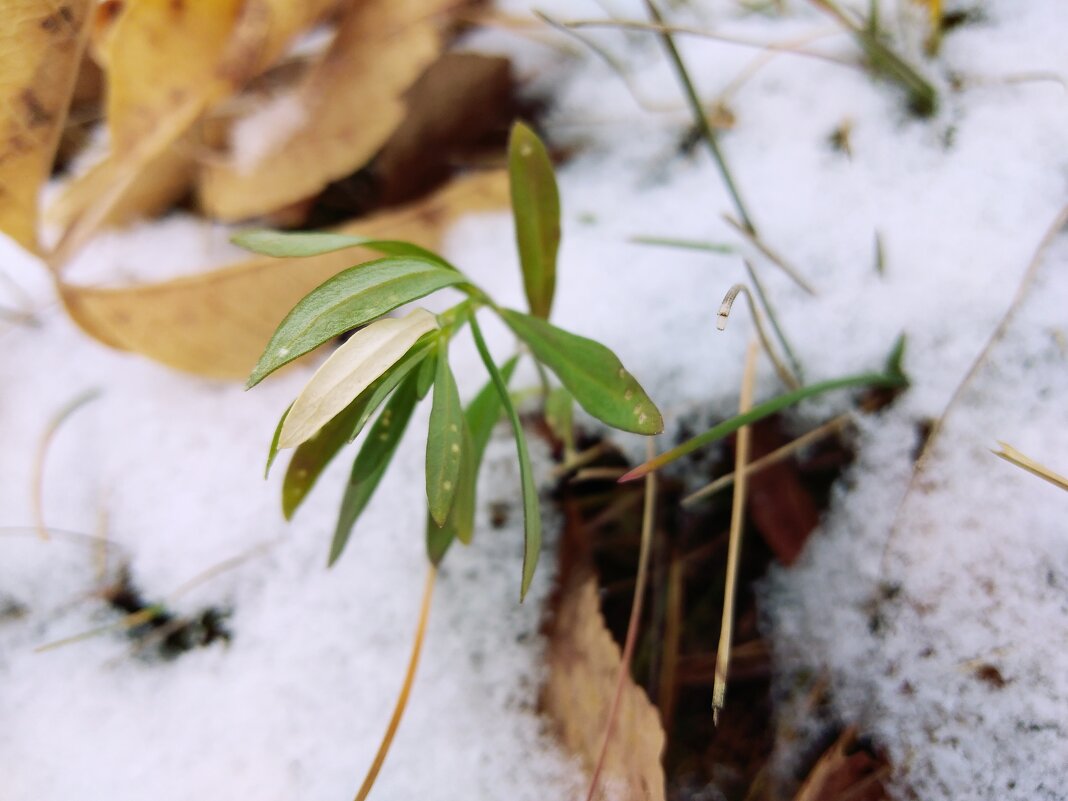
[{"x": 393, "y": 363}]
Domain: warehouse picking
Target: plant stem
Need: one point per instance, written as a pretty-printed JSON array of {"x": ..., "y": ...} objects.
[
  {"x": 700, "y": 118},
  {"x": 531, "y": 512},
  {"x": 734, "y": 546},
  {"x": 774, "y": 320},
  {"x": 759, "y": 412},
  {"x": 648, "y": 524},
  {"x": 406, "y": 688}
]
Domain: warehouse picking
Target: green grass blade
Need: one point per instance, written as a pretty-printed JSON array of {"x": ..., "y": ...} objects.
[
  {"x": 445, "y": 441},
  {"x": 531, "y": 509},
  {"x": 373, "y": 460},
  {"x": 351, "y": 298},
  {"x": 299, "y": 244},
  {"x": 312, "y": 456},
  {"x": 591, "y": 372},
  {"x": 536, "y": 211},
  {"x": 762, "y": 410}
]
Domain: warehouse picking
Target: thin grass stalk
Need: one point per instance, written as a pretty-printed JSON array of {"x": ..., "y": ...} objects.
[
  {"x": 700, "y": 118},
  {"x": 773, "y": 318},
  {"x": 648, "y": 524},
  {"x": 770, "y": 459},
  {"x": 781, "y": 369},
  {"x": 37, "y": 484},
  {"x": 406, "y": 688},
  {"x": 734, "y": 546}
]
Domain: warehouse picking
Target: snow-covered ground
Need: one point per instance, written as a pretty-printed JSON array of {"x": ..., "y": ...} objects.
[{"x": 961, "y": 674}]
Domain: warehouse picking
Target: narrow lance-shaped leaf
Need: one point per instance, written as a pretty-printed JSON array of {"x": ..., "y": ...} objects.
[
  {"x": 312, "y": 456},
  {"x": 272, "y": 453},
  {"x": 299, "y": 244},
  {"x": 481, "y": 415},
  {"x": 531, "y": 508},
  {"x": 350, "y": 370},
  {"x": 444, "y": 443},
  {"x": 591, "y": 373},
  {"x": 460, "y": 523},
  {"x": 536, "y": 210},
  {"x": 427, "y": 370},
  {"x": 559, "y": 408},
  {"x": 351, "y": 298},
  {"x": 373, "y": 460}
]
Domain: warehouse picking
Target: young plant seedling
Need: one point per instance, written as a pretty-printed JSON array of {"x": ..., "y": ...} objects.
[{"x": 392, "y": 364}]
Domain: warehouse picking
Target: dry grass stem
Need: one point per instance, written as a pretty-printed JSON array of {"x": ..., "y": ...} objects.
[
  {"x": 781, "y": 369},
  {"x": 734, "y": 547},
  {"x": 773, "y": 256},
  {"x": 1013, "y": 456},
  {"x": 37, "y": 484},
  {"x": 648, "y": 524},
  {"x": 776, "y": 456},
  {"x": 788, "y": 46},
  {"x": 406, "y": 688}
]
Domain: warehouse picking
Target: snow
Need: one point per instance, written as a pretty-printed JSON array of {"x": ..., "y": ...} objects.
[{"x": 905, "y": 601}]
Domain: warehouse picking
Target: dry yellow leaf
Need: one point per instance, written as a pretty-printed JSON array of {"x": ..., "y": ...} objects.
[
  {"x": 217, "y": 323},
  {"x": 167, "y": 61},
  {"x": 352, "y": 101},
  {"x": 153, "y": 190},
  {"x": 584, "y": 661},
  {"x": 41, "y": 45}
]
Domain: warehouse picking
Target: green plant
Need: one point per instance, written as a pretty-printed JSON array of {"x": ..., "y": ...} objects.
[{"x": 393, "y": 363}]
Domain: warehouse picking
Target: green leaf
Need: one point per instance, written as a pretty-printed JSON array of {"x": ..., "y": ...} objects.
[
  {"x": 352, "y": 368},
  {"x": 481, "y": 416},
  {"x": 298, "y": 244},
  {"x": 531, "y": 509},
  {"x": 312, "y": 456},
  {"x": 427, "y": 371},
  {"x": 559, "y": 407},
  {"x": 373, "y": 460},
  {"x": 536, "y": 210},
  {"x": 445, "y": 441},
  {"x": 484, "y": 410},
  {"x": 273, "y": 452},
  {"x": 460, "y": 523},
  {"x": 591, "y": 372},
  {"x": 351, "y": 298}
]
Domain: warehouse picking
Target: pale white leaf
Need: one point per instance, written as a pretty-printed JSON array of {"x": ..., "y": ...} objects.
[{"x": 349, "y": 371}]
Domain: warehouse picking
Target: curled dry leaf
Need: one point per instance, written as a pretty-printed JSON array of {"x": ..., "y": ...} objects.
[
  {"x": 583, "y": 663},
  {"x": 352, "y": 101},
  {"x": 41, "y": 44},
  {"x": 349, "y": 371},
  {"x": 216, "y": 323}
]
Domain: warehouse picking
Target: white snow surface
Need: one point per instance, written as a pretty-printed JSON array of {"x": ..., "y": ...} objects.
[{"x": 904, "y": 600}]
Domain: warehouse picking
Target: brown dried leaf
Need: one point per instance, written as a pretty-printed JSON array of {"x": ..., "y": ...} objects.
[
  {"x": 41, "y": 44},
  {"x": 845, "y": 771},
  {"x": 217, "y": 323},
  {"x": 782, "y": 509},
  {"x": 583, "y": 663},
  {"x": 352, "y": 100}
]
